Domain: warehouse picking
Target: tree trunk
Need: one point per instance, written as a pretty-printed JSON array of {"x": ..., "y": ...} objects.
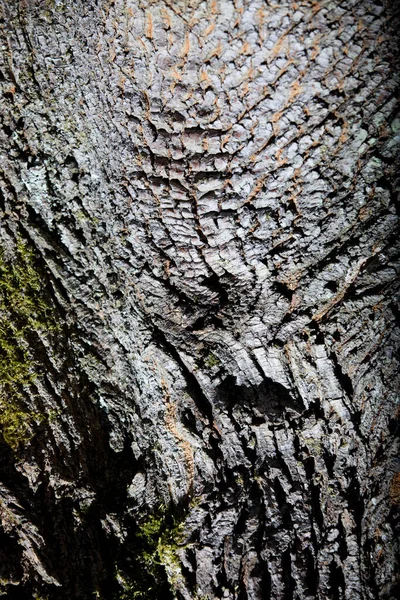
[{"x": 198, "y": 299}]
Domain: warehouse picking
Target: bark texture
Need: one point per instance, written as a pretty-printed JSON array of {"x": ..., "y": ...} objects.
[{"x": 199, "y": 299}]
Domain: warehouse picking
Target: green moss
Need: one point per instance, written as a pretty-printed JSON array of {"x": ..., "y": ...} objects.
[
  {"x": 17, "y": 425},
  {"x": 24, "y": 312},
  {"x": 212, "y": 361},
  {"x": 162, "y": 534},
  {"x": 157, "y": 565}
]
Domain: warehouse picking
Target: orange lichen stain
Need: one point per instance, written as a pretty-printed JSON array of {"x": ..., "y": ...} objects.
[
  {"x": 283, "y": 70},
  {"x": 141, "y": 42},
  {"x": 293, "y": 198},
  {"x": 316, "y": 7},
  {"x": 167, "y": 18},
  {"x": 107, "y": 9},
  {"x": 260, "y": 17},
  {"x": 246, "y": 49},
  {"x": 394, "y": 490},
  {"x": 222, "y": 70},
  {"x": 295, "y": 90},
  {"x": 149, "y": 26},
  {"x": 225, "y": 140},
  {"x": 171, "y": 39},
  {"x": 217, "y": 51},
  {"x": 130, "y": 71},
  {"x": 214, "y": 7},
  {"x": 217, "y": 429},
  {"x": 186, "y": 46},
  {"x": 165, "y": 389},
  {"x": 192, "y": 23},
  {"x": 209, "y": 29},
  {"x": 278, "y": 157},
  {"x": 344, "y": 135},
  {"x": 237, "y": 22},
  {"x": 175, "y": 74},
  {"x": 251, "y": 74},
  {"x": 364, "y": 213},
  {"x": 293, "y": 280},
  {"x": 171, "y": 425},
  {"x": 276, "y": 116},
  {"x": 244, "y": 90},
  {"x": 253, "y": 126},
  {"x": 274, "y": 120},
  {"x": 256, "y": 189},
  {"x": 295, "y": 302},
  {"x": 316, "y": 49},
  {"x": 121, "y": 83},
  {"x": 255, "y": 226},
  {"x": 203, "y": 76},
  {"x": 279, "y": 46}
]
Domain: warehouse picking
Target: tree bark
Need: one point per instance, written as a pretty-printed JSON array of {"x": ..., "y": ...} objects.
[{"x": 199, "y": 299}]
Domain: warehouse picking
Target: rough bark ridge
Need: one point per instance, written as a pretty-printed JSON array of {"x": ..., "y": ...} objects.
[{"x": 199, "y": 392}]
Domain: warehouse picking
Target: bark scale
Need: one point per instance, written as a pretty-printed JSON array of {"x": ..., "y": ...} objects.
[{"x": 201, "y": 399}]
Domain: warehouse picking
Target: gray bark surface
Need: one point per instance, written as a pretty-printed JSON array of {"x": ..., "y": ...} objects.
[{"x": 203, "y": 398}]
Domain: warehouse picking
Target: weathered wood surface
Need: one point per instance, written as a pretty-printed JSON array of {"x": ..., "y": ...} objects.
[{"x": 210, "y": 189}]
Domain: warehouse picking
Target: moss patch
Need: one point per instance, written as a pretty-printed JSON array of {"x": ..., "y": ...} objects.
[
  {"x": 162, "y": 533},
  {"x": 157, "y": 565},
  {"x": 24, "y": 311},
  {"x": 212, "y": 361}
]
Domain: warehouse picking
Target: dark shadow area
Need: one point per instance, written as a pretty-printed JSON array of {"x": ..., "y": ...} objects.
[{"x": 269, "y": 401}]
